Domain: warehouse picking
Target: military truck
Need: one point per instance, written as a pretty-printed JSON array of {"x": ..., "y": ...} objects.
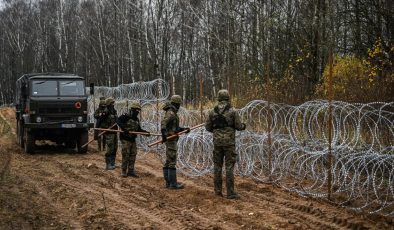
[{"x": 52, "y": 106}]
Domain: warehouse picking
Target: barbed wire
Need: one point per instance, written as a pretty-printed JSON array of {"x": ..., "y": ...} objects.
[
  {"x": 145, "y": 92},
  {"x": 362, "y": 147}
]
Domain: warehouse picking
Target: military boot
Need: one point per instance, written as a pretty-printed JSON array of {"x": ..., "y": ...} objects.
[
  {"x": 107, "y": 163},
  {"x": 124, "y": 166},
  {"x": 173, "y": 181},
  {"x": 124, "y": 172},
  {"x": 165, "y": 175},
  {"x": 131, "y": 173},
  {"x": 217, "y": 181},
  {"x": 111, "y": 163},
  {"x": 230, "y": 187}
]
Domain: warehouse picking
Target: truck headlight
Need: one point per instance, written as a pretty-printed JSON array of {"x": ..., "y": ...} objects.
[
  {"x": 80, "y": 119},
  {"x": 38, "y": 119}
]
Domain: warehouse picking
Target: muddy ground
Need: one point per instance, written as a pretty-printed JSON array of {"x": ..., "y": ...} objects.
[{"x": 57, "y": 189}]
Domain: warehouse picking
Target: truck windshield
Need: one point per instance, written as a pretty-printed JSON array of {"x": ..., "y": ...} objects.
[
  {"x": 58, "y": 87},
  {"x": 71, "y": 88},
  {"x": 44, "y": 88}
]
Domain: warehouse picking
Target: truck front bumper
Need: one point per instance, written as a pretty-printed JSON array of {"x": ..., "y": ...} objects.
[{"x": 58, "y": 125}]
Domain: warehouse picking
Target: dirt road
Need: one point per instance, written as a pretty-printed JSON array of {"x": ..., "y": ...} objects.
[{"x": 56, "y": 189}]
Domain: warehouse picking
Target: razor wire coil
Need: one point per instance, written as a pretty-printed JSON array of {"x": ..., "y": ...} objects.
[{"x": 362, "y": 147}]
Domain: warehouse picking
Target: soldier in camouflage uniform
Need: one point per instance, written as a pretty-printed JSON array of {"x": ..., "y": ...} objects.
[
  {"x": 130, "y": 123},
  {"x": 98, "y": 115},
  {"x": 170, "y": 126},
  {"x": 223, "y": 121},
  {"x": 109, "y": 119}
]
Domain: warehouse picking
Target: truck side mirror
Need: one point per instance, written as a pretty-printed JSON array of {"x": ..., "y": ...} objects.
[{"x": 91, "y": 88}]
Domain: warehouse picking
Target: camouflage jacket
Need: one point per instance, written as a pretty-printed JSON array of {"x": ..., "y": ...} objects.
[
  {"x": 109, "y": 118},
  {"x": 170, "y": 121},
  {"x": 99, "y": 115},
  {"x": 127, "y": 123},
  {"x": 224, "y": 135}
]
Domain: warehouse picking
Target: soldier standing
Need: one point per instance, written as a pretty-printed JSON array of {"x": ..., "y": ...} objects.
[
  {"x": 130, "y": 123},
  {"x": 223, "y": 121},
  {"x": 109, "y": 120},
  {"x": 170, "y": 126},
  {"x": 98, "y": 115}
]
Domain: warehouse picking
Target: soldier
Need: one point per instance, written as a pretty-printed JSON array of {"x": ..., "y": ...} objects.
[
  {"x": 170, "y": 126},
  {"x": 98, "y": 115},
  {"x": 222, "y": 121},
  {"x": 109, "y": 119},
  {"x": 130, "y": 123}
]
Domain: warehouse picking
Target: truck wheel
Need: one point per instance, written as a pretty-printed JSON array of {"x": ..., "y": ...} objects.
[
  {"x": 29, "y": 142},
  {"x": 82, "y": 140},
  {"x": 70, "y": 144}
]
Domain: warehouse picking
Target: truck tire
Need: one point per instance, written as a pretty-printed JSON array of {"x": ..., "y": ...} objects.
[
  {"x": 29, "y": 142},
  {"x": 70, "y": 144},
  {"x": 83, "y": 139}
]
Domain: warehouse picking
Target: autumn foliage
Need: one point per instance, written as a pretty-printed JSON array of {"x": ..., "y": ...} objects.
[{"x": 362, "y": 80}]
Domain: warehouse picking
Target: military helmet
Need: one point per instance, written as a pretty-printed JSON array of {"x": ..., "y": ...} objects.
[
  {"x": 166, "y": 105},
  {"x": 102, "y": 101},
  {"x": 223, "y": 95},
  {"x": 109, "y": 101},
  {"x": 135, "y": 105},
  {"x": 176, "y": 99}
]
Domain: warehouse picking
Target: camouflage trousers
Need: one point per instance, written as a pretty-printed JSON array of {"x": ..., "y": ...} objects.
[
  {"x": 112, "y": 145},
  {"x": 171, "y": 151},
  {"x": 129, "y": 154},
  {"x": 100, "y": 140},
  {"x": 227, "y": 155}
]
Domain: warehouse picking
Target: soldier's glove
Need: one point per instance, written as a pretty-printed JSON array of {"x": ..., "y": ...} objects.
[
  {"x": 147, "y": 134},
  {"x": 163, "y": 135},
  {"x": 184, "y": 129}
]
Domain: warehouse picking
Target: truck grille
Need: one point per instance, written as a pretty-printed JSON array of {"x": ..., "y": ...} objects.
[
  {"x": 55, "y": 110},
  {"x": 58, "y": 119}
]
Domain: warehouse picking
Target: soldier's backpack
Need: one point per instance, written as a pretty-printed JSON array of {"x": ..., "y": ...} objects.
[{"x": 219, "y": 120}]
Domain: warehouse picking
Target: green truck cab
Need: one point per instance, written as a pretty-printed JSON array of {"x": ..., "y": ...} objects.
[{"x": 52, "y": 106}]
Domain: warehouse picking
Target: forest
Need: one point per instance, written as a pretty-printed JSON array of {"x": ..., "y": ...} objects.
[{"x": 258, "y": 49}]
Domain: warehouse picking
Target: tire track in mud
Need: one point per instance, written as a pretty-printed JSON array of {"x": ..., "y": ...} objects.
[
  {"x": 168, "y": 210},
  {"x": 130, "y": 197},
  {"x": 284, "y": 208},
  {"x": 122, "y": 194},
  {"x": 307, "y": 212},
  {"x": 313, "y": 222},
  {"x": 116, "y": 195},
  {"x": 83, "y": 199}
]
